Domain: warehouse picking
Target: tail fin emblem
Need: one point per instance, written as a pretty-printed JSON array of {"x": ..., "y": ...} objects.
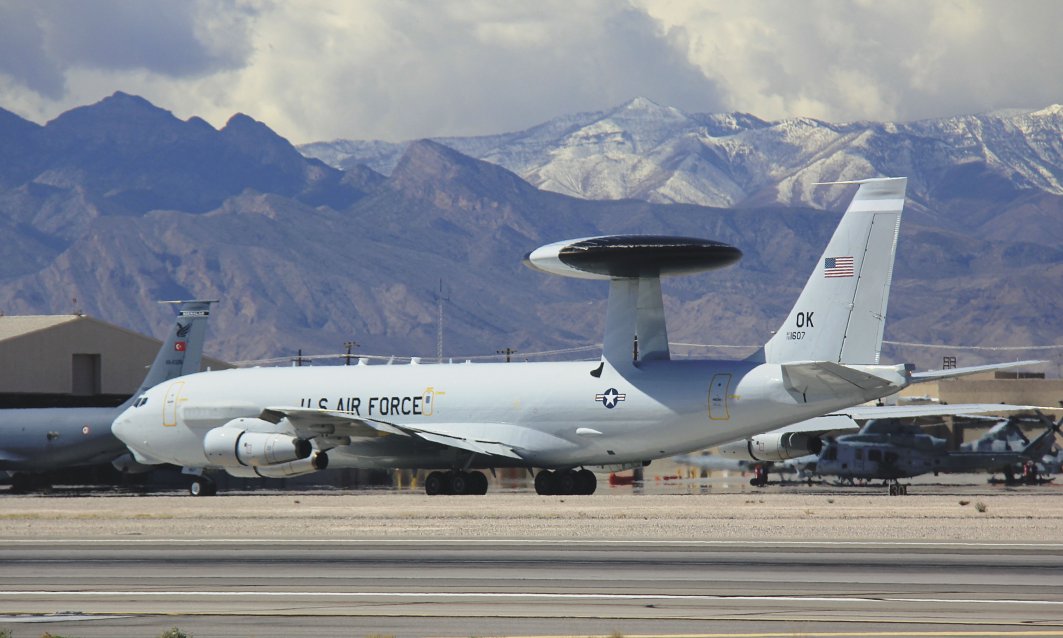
[{"x": 838, "y": 267}]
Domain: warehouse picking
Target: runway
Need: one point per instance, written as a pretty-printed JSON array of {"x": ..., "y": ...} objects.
[{"x": 528, "y": 587}]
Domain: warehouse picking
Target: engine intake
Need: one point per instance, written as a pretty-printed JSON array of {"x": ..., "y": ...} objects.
[{"x": 234, "y": 445}]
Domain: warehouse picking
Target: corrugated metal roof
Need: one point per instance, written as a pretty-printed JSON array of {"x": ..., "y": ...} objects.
[{"x": 19, "y": 325}]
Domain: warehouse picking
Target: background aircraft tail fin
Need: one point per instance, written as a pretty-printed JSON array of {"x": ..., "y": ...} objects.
[
  {"x": 182, "y": 351},
  {"x": 1043, "y": 443},
  {"x": 841, "y": 313}
]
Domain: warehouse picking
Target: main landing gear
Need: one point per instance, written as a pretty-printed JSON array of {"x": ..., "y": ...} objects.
[
  {"x": 565, "y": 482},
  {"x": 455, "y": 482},
  {"x": 202, "y": 486}
]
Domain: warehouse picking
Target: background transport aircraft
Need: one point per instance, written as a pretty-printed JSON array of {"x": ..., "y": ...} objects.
[
  {"x": 889, "y": 449},
  {"x": 39, "y": 440},
  {"x": 564, "y": 417}
]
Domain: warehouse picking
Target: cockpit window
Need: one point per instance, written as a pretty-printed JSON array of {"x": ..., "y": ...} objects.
[{"x": 139, "y": 402}]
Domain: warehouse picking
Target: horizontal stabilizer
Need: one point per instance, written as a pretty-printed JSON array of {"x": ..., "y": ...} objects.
[
  {"x": 830, "y": 378},
  {"x": 934, "y": 375}
]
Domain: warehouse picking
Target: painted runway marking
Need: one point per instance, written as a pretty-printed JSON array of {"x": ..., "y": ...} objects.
[
  {"x": 532, "y": 541},
  {"x": 539, "y": 595},
  {"x": 986, "y": 634}
]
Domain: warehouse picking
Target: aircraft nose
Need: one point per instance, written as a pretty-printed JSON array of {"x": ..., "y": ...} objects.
[{"x": 123, "y": 426}]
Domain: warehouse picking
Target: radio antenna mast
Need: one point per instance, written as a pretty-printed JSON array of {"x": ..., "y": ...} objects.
[{"x": 439, "y": 324}]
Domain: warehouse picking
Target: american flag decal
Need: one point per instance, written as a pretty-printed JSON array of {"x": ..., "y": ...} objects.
[{"x": 838, "y": 267}]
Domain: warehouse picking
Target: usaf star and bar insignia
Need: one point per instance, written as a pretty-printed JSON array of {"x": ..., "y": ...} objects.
[{"x": 610, "y": 398}]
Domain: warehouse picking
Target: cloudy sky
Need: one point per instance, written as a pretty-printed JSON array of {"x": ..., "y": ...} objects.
[{"x": 395, "y": 69}]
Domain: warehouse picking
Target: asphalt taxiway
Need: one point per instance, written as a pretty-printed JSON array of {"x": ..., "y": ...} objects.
[
  {"x": 536, "y": 587},
  {"x": 517, "y": 564}
]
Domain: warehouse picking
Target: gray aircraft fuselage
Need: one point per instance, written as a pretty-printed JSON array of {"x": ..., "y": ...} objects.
[{"x": 47, "y": 439}]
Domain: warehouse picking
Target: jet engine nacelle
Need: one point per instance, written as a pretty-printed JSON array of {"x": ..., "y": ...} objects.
[
  {"x": 315, "y": 462},
  {"x": 236, "y": 444},
  {"x": 773, "y": 447}
]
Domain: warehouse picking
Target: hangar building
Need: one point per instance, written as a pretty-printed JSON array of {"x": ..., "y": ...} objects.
[{"x": 73, "y": 360}]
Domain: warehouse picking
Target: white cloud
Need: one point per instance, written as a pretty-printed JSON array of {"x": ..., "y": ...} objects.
[
  {"x": 397, "y": 69},
  {"x": 843, "y": 60}
]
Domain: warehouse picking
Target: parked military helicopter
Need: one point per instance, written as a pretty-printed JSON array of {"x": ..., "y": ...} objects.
[
  {"x": 1007, "y": 435},
  {"x": 889, "y": 449}
]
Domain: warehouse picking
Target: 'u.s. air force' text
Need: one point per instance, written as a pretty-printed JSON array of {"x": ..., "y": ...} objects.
[{"x": 375, "y": 406}]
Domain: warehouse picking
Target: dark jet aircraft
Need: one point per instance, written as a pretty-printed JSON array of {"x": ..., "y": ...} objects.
[{"x": 38, "y": 440}]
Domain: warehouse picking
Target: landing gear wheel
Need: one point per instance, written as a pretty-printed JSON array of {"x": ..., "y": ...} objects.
[
  {"x": 202, "y": 486},
  {"x": 586, "y": 482},
  {"x": 435, "y": 484},
  {"x": 565, "y": 482},
  {"x": 459, "y": 483},
  {"x": 478, "y": 483},
  {"x": 544, "y": 483},
  {"x": 21, "y": 483}
]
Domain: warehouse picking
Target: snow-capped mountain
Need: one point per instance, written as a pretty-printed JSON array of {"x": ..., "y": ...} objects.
[
  {"x": 660, "y": 154},
  {"x": 114, "y": 205}
]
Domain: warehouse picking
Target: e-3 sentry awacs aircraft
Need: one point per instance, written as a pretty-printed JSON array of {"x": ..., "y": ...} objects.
[{"x": 563, "y": 417}]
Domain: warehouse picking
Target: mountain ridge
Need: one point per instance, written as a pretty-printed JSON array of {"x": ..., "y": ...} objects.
[{"x": 305, "y": 256}]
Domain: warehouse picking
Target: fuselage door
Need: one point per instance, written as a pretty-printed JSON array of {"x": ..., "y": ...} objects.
[
  {"x": 169, "y": 404},
  {"x": 718, "y": 411}
]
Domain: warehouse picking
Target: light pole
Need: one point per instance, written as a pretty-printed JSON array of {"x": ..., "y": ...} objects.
[{"x": 349, "y": 345}]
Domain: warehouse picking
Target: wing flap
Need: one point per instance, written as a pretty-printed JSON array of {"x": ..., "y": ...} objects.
[{"x": 479, "y": 447}]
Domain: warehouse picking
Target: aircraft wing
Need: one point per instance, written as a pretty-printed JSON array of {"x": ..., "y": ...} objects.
[
  {"x": 310, "y": 422},
  {"x": 933, "y": 375},
  {"x": 867, "y": 412},
  {"x": 488, "y": 439},
  {"x": 851, "y": 418}
]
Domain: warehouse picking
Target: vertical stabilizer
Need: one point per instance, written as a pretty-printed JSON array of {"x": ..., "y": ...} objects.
[
  {"x": 182, "y": 351},
  {"x": 841, "y": 312}
]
